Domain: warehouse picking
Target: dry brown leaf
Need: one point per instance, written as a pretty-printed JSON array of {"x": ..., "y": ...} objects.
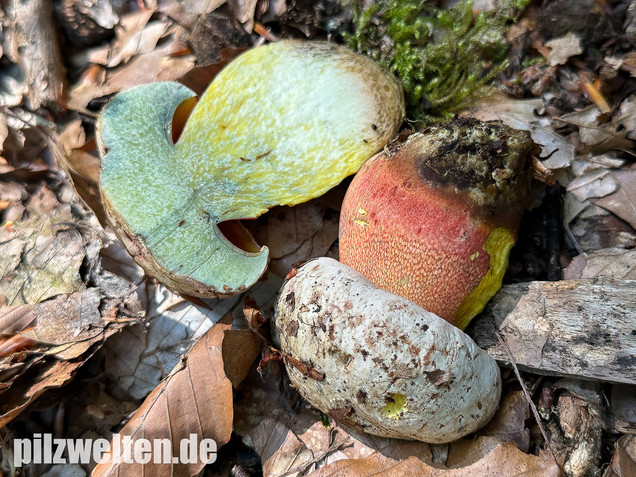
[
  {"x": 592, "y": 184},
  {"x": 598, "y": 202},
  {"x": 623, "y": 462},
  {"x": 130, "y": 26},
  {"x": 78, "y": 157},
  {"x": 563, "y": 48},
  {"x": 594, "y": 228},
  {"x": 42, "y": 255},
  {"x": 596, "y": 136},
  {"x": 503, "y": 460},
  {"x": 623, "y": 201},
  {"x": 117, "y": 260},
  {"x": 627, "y": 116},
  {"x": 623, "y": 405},
  {"x": 243, "y": 11},
  {"x": 280, "y": 449},
  {"x": 240, "y": 350},
  {"x": 509, "y": 423},
  {"x": 64, "y": 319},
  {"x": 295, "y": 234},
  {"x": 51, "y": 375},
  {"x": 199, "y": 77},
  {"x": 199, "y": 7},
  {"x": 144, "y": 354},
  {"x": 290, "y": 436},
  {"x": 60, "y": 304},
  {"x": 612, "y": 263},
  {"x": 140, "y": 42},
  {"x": 299, "y": 444},
  {"x": 194, "y": 400},
  {"x": 166, "y": 62}
]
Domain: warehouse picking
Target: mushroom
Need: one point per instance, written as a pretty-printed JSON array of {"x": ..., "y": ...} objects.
[
  {"x": 378, "y": 361},
  {"x": 281, "y": 124},
  {"x": 433, "y": 218}
]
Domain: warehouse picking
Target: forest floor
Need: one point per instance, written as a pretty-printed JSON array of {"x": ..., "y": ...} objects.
[{"x": 91, "y": 346}]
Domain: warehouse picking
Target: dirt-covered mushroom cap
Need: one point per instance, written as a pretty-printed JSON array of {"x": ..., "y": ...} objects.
[{"x": 390, "y": 367}]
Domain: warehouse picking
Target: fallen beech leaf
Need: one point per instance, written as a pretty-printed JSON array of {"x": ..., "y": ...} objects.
[
  {"x": 42, "y": 257},
  {"x": 52, "y": 374},
  {"x": 623, "y": 201},
  {"x": 118, "y": 261},
  {"x": 561, "y": 49},
  {"x": 623, "y": 405},
  {"x": 623, "y": 462},
  {"x": 160, "y": 64},
  {"x": 594, "y": 135},
  {"x": 595, "y": 228},
  {"x": 73, "y": 154},
  {"x": 296, "y": 234},
  {"x": 611, "y": 262},
  {"x": 140, "y": 42},
  {"x": 280, "y": 448},
  {"x": 199, "y": 7},
  {"x": 194, "y": 400},
  {"x": 253, "y": 313},
  {"x": 627, "y": 116},
  {"x": 504, "y": 460},
  {"x": 142, "y": 355},
  {"x": 130, "y": 28},
  {"x": 64, "y": 319},
  {"x": 265, "y": 412},
  {"x": 509, "y": 422},
  {"x": 592, "y": 184},
  {"x": 4, "y": 131},
  {"x": 60, "y": 304},
  {"x": 199, "y": 77},
  {"x": 240, "y": 350}
]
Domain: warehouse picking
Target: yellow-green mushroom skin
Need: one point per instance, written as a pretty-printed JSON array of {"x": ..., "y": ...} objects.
[{"x": 281, "y": 124}]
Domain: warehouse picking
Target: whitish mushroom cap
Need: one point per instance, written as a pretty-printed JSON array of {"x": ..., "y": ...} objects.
[{"x": 390, "y": 367}]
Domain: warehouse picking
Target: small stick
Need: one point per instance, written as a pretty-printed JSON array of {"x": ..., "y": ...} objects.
[
  {"x": 260, "y": 29},
  {"x": 587, "y": 82},
  {"x": 526, "y": 394}
]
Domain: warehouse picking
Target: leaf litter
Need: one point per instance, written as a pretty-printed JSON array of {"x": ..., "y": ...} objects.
[{"x": 70, "y": 292}]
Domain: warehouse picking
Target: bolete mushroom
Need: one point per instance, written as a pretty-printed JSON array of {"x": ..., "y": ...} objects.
[
  {"x": 433, "y": 219},
  {"x": 378, "y": 361},
  {"x": 281, "y": 124}
]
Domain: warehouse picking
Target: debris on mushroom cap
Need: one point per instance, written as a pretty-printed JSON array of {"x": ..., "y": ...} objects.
[
  {"x": 433, "y": 219},
  {"x": 390, "y": 368},
  {"x": 281, "y": 124}
]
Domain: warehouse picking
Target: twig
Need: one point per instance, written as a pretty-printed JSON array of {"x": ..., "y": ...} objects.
[{"x": 526, "y": 394}]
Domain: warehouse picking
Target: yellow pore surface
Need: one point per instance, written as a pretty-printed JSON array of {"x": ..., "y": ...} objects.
[{"x": 497, "y": 245}]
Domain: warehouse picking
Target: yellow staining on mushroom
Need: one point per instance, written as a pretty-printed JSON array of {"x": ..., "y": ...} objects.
[{"x": 395, "y": 406}]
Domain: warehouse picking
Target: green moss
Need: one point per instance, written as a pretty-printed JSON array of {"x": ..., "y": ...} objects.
[
  {"x": 444, "y": 57},
  {"x": 324, "y": 420}
]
